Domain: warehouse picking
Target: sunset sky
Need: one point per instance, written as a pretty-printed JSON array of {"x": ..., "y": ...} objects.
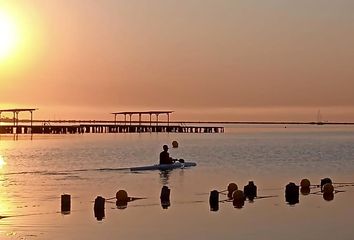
[{"x": 207, "y": 60}]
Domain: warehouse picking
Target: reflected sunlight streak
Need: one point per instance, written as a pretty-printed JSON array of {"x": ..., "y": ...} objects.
[{"x": 2, "y": 162}]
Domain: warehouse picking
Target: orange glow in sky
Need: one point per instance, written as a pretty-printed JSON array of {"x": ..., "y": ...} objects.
[
  {"x": 8, "y": 35},
  {"x": 77, "y": 57}
]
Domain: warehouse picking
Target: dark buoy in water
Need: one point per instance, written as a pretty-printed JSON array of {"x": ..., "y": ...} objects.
[
  {"x": 238, "y": 195},
  {"x": 214, "y": 200},
  {"x": 122, "y": 199},
  {"x": 324, "y": 181},
  {"x": 238, "y": 199},
  {"x": 165, "y": 197},
  {"x": 230, "y": 189},
  {"x": 305, "y": 183},
  {"x": 250, "y": 191},
  {"x": 328, "y": 188},
  {"x": 122, "y": 196},
  {"x": 65, "y": 203},
  {"x": 99, "y": 208},
  {"x": 175, "y": 144},
  {"x": 292, "y": 193}
]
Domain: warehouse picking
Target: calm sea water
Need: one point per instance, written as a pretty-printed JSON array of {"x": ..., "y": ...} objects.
[{"x": 36, "y": 172}]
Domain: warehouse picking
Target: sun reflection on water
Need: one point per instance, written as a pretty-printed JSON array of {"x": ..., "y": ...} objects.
[{"x": 2, "y": 162}]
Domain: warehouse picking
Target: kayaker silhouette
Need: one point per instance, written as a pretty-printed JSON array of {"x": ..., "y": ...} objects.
[{"x": 165, "y": 156}]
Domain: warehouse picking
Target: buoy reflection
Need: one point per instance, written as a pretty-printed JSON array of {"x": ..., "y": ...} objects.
[
  {"x": 305, "y": 190},
  {"x": 238, "y": 203},
  {"x": 122, "y": 204},
  {"x": 328, "y": 196}
]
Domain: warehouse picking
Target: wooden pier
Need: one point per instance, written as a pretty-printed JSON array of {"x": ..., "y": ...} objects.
[{"x": 79, "y": 127}]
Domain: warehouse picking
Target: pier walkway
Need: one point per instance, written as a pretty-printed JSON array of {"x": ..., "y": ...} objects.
[
  {"x": 127, "y": 126},
  {"x": 107, "y": 128}
]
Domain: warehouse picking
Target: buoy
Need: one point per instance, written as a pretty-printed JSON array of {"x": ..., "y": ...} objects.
[
  {"x": 328, "y": 188},
  {"x": 250, "y": 190},
  {"x": 292, "y": 193},
  {"x": 328, "y": 196},
  {"x": 324, "y": 181},
  {"x": 122, "y": 199},
  {"x": 165, "y": 197},
  {"x": 65, "y": 203},
  {"x": 305, "y": 183},
  {"x": 99, "y": 208},
  {"x": 214, "y": 200},
  {"x": 238, "y": 199},
  {"x": 175, "y": 144},
  {"x": 230, "y": 189},
  {"x": 122, "y": 205},
  {"x": 122, "y": 196}
]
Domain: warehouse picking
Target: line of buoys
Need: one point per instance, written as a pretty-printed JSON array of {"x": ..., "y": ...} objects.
[
  {"x": 99, "y": 208},
  {"x": 238, "y": 197},
  {"x": 65, "y": 203},
  {"x": 165, "y": 197}
]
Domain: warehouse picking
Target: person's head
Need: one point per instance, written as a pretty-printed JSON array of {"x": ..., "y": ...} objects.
[{"x": 165, "y": 148}]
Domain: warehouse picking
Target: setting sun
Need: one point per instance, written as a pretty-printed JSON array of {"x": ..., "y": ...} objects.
[{"x": 8, "y": 35}]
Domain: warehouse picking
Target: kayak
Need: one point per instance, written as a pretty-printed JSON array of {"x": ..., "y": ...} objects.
[{"x": 164, "y": 166}]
